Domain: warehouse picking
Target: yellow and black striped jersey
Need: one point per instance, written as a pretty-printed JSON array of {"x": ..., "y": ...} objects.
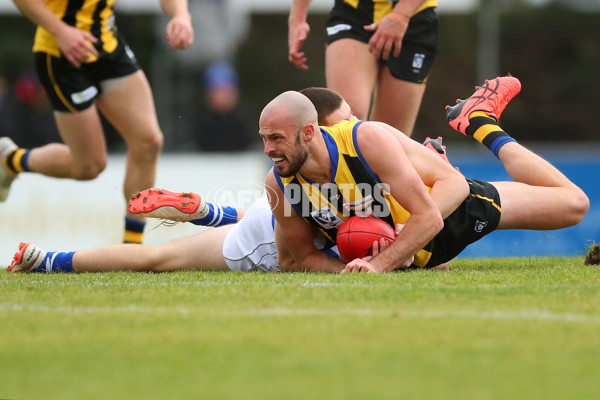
[
  {"x": 381, "y": 8},
  {"x": 354, "y": 189},
  {"x": 94, "y": 16}
]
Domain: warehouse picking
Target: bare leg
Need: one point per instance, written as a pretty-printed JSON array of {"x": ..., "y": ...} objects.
[
  {"x": 397, "y": 102},
  {"x": 542, "y": 197},
  {"x": 527, "y": 167},
  {"x": 355, "y": 83},
  {"x": 203, "y": 251},
  {"x": 83, "y": 156},
  {"x": 128, "y": 104},
  {"x": 443, "y": 267}
]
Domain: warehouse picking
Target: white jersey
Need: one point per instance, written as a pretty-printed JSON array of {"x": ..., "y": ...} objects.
[{"x": 250, "y": 244}]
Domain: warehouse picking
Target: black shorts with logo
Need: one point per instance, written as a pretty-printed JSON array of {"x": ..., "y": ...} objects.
[
  {"x": 73, "y": 89},
  {"x": 419, "y": 45},
  {"x": 478, "y": 215}
]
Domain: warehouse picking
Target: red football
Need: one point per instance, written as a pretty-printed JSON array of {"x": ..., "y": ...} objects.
[{"x": 356, "y": 235}]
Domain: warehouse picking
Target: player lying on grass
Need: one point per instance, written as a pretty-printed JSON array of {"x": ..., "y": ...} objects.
[
  {"x": 321, "y": 176},
  {"x": 158, "y": 258},
  {"x": 246, "y": 246}
]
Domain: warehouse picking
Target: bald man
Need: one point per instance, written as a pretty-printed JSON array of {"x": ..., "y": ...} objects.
[{"x": 322, "y": 176}]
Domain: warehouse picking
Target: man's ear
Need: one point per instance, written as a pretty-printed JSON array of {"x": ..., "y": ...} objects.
[{"x": 308, "y": 132}]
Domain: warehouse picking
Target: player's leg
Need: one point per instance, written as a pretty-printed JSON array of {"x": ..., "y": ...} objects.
[
  {"x": 182, "y": 207},
  {"x": 402, "y": 79},
  {"x": 397, "y": 102},
  {"x": 203, "y": 251},
  {"x": 83, "y": 154},
  {"x": 537, "y": 207},
  {"x": 542, "y": 197},
  {"x": 71, "y": 92},
  {"x": 128, "y": 105},
  {"x": 355, "y": 83}
]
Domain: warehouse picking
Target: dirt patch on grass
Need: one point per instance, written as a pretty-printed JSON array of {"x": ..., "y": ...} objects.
[{"x": 593, "y": 255}]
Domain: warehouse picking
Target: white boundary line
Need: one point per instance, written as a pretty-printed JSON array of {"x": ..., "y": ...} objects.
[{"x": 527, "y": 315}]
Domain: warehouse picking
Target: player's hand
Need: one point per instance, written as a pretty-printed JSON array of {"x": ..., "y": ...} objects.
[
  {"x": 378, "y": 246},
  {"x": 382, "y": 244},
  {"x": 297, "y": 34},
  {"x": 389, "y": 32},
  {"x": 360, "y": 265},
  {"x": 180, "y": 33},
  {"x": 76, "y": 45}
]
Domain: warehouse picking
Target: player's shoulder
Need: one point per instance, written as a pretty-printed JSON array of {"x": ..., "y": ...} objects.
[
  {"x": 343, "y": 125},
  {"x": 272, "y": 183},
  {"x": 271, "y": 180}
]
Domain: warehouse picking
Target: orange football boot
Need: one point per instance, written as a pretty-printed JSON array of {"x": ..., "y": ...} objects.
[
  {"x": 161, "y": 203},
  {"x": 491, "y": 98}
]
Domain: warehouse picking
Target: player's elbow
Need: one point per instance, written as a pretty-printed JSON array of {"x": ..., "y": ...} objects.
[
  {"x": 435, "y": 219},
  {"x": 462, "y": 188},
  {"x": 287, "y": 263}
]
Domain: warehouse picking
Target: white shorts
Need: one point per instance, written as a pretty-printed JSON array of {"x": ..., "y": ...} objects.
[{"x": 250, "y": 244}]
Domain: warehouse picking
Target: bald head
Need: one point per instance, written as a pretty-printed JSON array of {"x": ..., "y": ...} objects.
[{"x": 292, "y": 106}]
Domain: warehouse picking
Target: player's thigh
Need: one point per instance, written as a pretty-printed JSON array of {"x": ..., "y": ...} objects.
[
  {"x": 203, "y": 251},
  {"x": 82, "y": 132},
  {"x": 534, "y": 207},
  {"x": 397, "y": 101},
  {"x": 351, "y": 70},
  {"x": 128, "y": 104}
]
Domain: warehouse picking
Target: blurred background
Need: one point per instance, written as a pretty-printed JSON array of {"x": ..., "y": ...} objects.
[{"x": 209, "y": 97}]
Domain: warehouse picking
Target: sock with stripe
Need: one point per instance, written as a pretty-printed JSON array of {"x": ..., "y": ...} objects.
[
  {"x": 486, "y": 130},
  {"x": 217, "y": 216},
  {"x": 57, "y": 261},
  {"x": 134, "y": 230},
  {"x": 17, "y": 161}
]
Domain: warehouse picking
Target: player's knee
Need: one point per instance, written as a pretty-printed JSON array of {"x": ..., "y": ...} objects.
[
  {"x": 154, "y": 144},
  {"x": 147, "y": 148},
  {"x": 89, "y": 170},
  {"x": 579, "y": 206}
]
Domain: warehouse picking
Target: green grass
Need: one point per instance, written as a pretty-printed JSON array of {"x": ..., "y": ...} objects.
[{"x": 487, "y": 329}]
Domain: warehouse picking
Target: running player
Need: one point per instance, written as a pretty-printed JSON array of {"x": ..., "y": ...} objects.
[
  {"x": 391, "y": 46},
  {"x": 85, "y": 65}
]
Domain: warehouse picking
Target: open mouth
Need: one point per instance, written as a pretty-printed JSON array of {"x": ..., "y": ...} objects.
[{"x": 277, "y": 160}]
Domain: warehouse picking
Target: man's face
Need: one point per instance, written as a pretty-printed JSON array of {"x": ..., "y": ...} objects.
[
  {"x": 343, "y": 113},
  {"x": 285, "y": 148}
]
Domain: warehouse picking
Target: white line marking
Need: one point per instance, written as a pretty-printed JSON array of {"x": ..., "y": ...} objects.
[{"x": 537, "y": 315}]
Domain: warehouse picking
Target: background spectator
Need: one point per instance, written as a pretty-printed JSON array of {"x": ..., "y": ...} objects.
[{"x": 223, "y": 123}]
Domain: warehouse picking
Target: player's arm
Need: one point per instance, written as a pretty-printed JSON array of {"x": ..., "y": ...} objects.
[
  {"x": 298, "y": 30},
  {"x": 298, "y": 234},
  {"x": 390, "y": 163},
  {"x": 390, "y": 30},
  {"x": 448, "y": 186},
  {"x": 180, "y": 33},
  {"x": 285, "y": 258},
  {"x": 75, "y": 44}
]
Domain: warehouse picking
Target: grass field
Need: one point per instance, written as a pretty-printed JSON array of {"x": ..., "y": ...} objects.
[{"x": 486, "y": 329}]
